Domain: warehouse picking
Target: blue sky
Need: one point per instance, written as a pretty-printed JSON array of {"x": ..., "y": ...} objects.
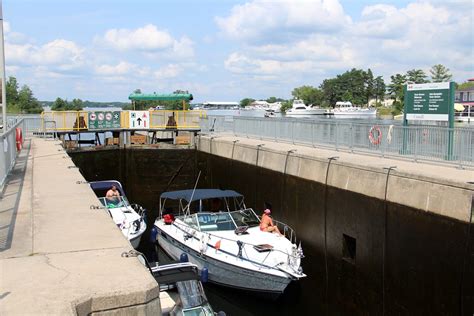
[{"x": 226, "y": 50}]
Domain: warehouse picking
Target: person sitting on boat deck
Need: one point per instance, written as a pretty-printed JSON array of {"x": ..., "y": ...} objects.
[
  {"x": 266, "y": 224},
  {"x": 113, "y": 195}
]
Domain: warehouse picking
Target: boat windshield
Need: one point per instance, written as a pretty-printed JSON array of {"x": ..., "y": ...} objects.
[
  {"x": 222, "y": 220},
  {"x": 114, "y": 202},
  {"x": 191, "y": 294},
  {"x": 245, "y": 218},
  {"x": 215, "y": 221}
]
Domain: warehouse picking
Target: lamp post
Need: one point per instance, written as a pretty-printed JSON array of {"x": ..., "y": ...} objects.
[{"x": 2, "y": 70}]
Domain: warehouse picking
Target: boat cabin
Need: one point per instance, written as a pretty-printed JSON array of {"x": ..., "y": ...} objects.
[{"x": 209, "y": 209}]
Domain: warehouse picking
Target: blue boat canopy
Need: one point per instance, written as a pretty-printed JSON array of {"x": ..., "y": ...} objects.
[
  {"x": 199, "y": 194},
  {"x": 106, "y": 185}
]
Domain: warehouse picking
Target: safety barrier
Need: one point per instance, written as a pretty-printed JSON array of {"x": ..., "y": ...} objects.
[
  {"x": 429, "y": 143},
  {"x": 8, "y": 151},
  {"x": 57, "y": 121}
]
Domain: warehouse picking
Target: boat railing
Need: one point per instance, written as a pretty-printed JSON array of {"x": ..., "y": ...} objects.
[
  {"x": 286, "y": 230},
  {"x": 243, "y": 246}
]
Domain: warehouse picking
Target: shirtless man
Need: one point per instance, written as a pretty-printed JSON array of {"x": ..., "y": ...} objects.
[
  {"x": 113, "y": 194},
  {"x": 266, "y": 224}
]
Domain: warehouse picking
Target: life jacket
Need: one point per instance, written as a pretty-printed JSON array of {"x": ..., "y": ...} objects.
[{"x": 168, "y": 218}]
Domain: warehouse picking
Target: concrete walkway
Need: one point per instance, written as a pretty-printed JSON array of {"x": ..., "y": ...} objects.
[{"x": 57, "y": 255}]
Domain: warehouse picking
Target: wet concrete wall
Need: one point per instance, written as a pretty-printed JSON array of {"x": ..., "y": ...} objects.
[{"x": 364, "y": 256}]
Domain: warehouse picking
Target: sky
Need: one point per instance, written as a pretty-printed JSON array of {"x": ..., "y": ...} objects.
[{"x": 226, "y": 50}]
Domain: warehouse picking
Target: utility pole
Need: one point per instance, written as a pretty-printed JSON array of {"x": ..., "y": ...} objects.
[{"x": 2, "y": 70}]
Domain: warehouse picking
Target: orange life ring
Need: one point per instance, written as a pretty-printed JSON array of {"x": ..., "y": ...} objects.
[
  {"x": 375, "y": 140},
  {"x": 19, "y": 139}
]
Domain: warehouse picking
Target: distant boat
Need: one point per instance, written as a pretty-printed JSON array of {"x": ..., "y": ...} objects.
[
  {"x": 299, "y": 108},
  {"x": 464, "y": 112},
  {"x": 347, "y": 110}
]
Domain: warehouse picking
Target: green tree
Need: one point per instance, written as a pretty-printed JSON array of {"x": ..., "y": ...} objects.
[
  {"x": 465, "y": 85},
  {"x": 369, "y": 85},
  {"x": 27, "y": 103},
  {"x": 439, "y": 73},
  {"x": 285, "y": 105},
  {"x": 396, "y": 86},
  {"x": 12, "y": 91},
  {"x": 59, "y": 105},
  {"x": 416, "y": 76},
  {"x": 309, "y": 94},
  {"x": 379, "y": 89},
  {"x": 245, "y": 102},
  {"x": 76, "y": 105}
]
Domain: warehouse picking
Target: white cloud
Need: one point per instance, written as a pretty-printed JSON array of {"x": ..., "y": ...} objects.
[
  {"x": 169, "y": 71},
  {"x": 60, "y": 53},
  {"x": 149, "y": 40},
  {"x": 122, "y": 68},
  {"x": 143, "y": 38},
  {"x": 275, "y": 21},
  {"x": 385, "y": 38}
]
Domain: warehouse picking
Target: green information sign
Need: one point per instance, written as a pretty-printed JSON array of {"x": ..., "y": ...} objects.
[
  {"x": 104, "y": 119},
  {"x": 429, "y": 101}
]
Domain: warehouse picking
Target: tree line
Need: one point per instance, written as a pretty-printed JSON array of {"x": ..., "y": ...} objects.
[
  {"x": 21, "y": 100},
  {"x": 360, "y": 86}
]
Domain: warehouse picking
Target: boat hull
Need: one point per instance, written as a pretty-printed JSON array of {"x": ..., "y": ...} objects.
[
  {"x": 223, "y": 273},
  {"x": 136, "y": 241},
  {"x": 355, "y": 114}
]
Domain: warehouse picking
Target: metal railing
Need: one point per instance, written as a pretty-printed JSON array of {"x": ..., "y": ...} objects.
[
  {"x": 428, "y": 143},
  {"x": 57, "y": 121},
  {"x": 8, "y": 151}
]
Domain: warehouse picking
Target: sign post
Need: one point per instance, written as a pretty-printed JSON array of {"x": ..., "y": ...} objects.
[{"x": 430, "y": 102}]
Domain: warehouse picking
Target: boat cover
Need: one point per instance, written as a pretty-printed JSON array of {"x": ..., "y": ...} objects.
[
  {"x": 105, "y": 185},
  {"x": 199, "y": 194}
]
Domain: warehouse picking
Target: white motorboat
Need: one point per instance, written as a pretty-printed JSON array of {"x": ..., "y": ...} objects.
[
  {"x": 227, "y": 240},
  {"x": 181, "y": 290},
  {"x": 465, "y": 112},
  {"x": 128, "y": 217},
  {"x": 299, "y": 108},
  {"x": 347, "y": 110}
]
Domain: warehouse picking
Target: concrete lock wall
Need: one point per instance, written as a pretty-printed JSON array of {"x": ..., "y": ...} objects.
[{"x": 412, "y": 248}]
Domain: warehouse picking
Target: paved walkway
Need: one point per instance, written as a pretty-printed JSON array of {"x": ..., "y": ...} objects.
[{"x": 58, "y": 256}]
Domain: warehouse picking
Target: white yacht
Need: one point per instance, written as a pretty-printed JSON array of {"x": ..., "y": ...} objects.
[
  {"x": 227, "y": 240},
  {"x": 299, "y": 108},
  {"x": 466, "y": 113},
  {"x": 130, "y": 218},
  {"x": 347, "y": 110}
]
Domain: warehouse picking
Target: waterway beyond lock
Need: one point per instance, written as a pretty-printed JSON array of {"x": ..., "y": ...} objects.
[{"x": 342, "y": 235}]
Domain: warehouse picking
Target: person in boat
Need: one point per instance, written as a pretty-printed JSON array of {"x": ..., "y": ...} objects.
[
  {"x": 266, "y": 224},
  {"x": 113, "y": 195}
]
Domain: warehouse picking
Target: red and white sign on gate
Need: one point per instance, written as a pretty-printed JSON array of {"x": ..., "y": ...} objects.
[{"x": 139, "y": 119}]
